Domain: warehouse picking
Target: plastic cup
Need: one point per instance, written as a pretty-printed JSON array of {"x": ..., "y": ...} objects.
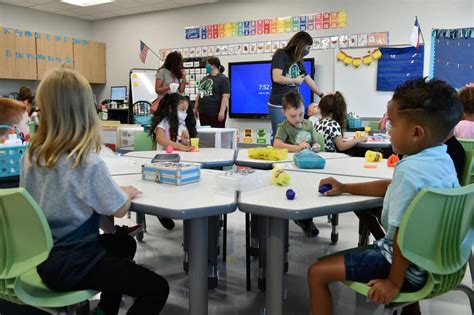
[
  {"x": 174, "y": 87},
  {"x": 195, "y": 142}
]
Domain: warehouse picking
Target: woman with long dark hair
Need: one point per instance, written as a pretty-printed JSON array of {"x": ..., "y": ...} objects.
[
  {"x": 287, "y": 73},
  {"x": 213, "y": 98},
  {"x": 172, "y": 71}
]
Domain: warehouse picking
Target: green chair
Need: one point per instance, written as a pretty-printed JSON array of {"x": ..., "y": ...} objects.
[
  {"x": 468, "y": 171},
  {"x": 374, "y": 125},
  {"x": 142, "y": 142},
  {"x": 436, "y": 234},
  {"x": 468, "y": 144},
  {"x": 25, "y": 242}
]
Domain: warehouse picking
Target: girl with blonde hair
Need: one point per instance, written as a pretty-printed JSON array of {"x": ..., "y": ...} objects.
[{"x": 65, "y": 175}]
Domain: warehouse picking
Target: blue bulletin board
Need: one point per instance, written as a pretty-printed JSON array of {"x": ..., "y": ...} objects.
[
  {"x": 397, "y": 65},
  {"x": 453, "y": 56}
]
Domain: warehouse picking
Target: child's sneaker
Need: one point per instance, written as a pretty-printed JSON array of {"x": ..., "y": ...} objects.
[
  {"x": 130, "y": 230},
  {"x": 308, "y": 227}
]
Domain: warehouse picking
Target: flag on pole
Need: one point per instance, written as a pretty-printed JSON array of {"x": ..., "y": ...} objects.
[
  {"x": 415, "y": 36},
  {"x": 143, "y": 51}
]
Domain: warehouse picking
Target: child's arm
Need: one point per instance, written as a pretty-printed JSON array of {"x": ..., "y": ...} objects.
[
  {"x": 383, "y": 291},
  {"x": 376, "y": 188},
  {"x": 132, "y": 193},
  {"x": 165, "y": 142},
  {"x": 278, "y": 143},
  {"x": 346, "y": 145}
]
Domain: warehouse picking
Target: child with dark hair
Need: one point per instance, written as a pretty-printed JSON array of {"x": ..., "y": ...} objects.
[
  {"x": 295, "y": 134},
  {"x": 465, "y": 128},
  {"x": 173, "y": 123},
  {"x": 422, "y": 114},
  {"x": 333, "y": 123}
]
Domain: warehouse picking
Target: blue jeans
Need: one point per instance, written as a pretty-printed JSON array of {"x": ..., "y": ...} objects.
[{"x": 276, "y": 117}]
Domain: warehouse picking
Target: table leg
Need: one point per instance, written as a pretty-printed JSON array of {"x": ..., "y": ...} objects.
[
  {"x": 198, "y": 266},
  {"x": 276, "y": 249}
]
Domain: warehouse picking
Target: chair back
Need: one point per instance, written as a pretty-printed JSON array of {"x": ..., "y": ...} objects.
[
  {"x": 320, "y": 140},
  {"x": 142, "y": 142},
  {"x": 25, "y": 238},
  {"x": 468, "y": 170},
  {"x": 468, "y": 144}
]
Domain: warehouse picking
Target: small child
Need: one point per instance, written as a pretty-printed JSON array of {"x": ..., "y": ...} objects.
[
  {"x": 64, "y": 173},
  {"x": 313, "y": 113},
  {"x": 333, "y": 123},
  {"x": 295, "y": 134},
  {"x": 422, "y": 114},
  {"x": 174, "y": 123},
  {"x": 465, "y": 128}
]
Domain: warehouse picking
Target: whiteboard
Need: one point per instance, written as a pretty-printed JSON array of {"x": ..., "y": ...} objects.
[
  {"x": 142, "y": 85},
  {"x": 359, "y": 86}
]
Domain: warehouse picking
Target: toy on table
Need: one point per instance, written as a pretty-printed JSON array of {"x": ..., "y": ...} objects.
[
  {"x": 309, "y": 159},
  {"x": 195, "y": 143},
  {"x": 268, "y": 153},
  {"x": 290, "y": 194},
  {"x": 280, "y": 177},
  {"x": 325, "y": 188},
  {"x": 393, "y": 160},
  {"x": 370, "y": 166},
  {"x": 372, "y": 156},
  {"x": 169, "y": 149}
]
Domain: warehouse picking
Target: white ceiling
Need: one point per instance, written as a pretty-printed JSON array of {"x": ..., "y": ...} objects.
[{"x": 107, "y": 10}]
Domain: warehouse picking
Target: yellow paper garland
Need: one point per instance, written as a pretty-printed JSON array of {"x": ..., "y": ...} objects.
[{"x": 356, "y": 62}]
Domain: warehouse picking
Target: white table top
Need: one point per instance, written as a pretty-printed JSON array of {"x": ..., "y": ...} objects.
[
  {"x": 215, "y": 130},
  {"x": 244, "y": 160},
  {"x": 207, "y": 157},
  {"x": 120, "y": 165},
  {"x": 189, "y": 201},
  {"x": 375, "y": 141},
  {"x": 271, "y": 200},
  {"x": 352, "y": 166}
]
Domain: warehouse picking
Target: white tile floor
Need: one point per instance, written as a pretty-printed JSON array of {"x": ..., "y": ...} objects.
[{"x": 162, "y": 252}]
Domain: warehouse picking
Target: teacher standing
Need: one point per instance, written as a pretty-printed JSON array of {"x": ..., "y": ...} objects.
[
  {"x": 287, "y": 73},
  {"x": 213, "y": 98},
  {"x": 172, "y": 71}
]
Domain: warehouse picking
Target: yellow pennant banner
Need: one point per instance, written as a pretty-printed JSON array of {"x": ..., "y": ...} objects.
[{"x": 356, "y": 62}]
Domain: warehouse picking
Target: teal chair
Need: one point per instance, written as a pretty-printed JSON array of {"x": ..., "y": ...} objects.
[
  {"x": 320, "y": 140},
  {"x": 141, "y": 114},
  {"x": 142, "y": 142},
  {"x": 436, "y": 234},
  {"x": 25, "y": 242},
  {"x": 468, "y": 144}
]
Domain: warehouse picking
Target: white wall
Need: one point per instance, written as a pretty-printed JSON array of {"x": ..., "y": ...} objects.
[
  {"x": 39, "y": 21},
  {"x": 166, "y": 30}
]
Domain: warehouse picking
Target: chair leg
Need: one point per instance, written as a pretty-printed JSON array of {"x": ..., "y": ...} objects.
[
  {"x": 470, "y": 294},
  {"x": 81, "y": 308},
  {"x": 224, "y": 239},
  {"x": 334, "y": 233},
  {"x": 247, "y": 250},
  {"x": 140, "y": 220}
]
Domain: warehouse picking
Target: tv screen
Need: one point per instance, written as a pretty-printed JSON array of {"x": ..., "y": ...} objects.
[
  {"x": 250, "y": 87},
  {"x": 118, "y": 93}
]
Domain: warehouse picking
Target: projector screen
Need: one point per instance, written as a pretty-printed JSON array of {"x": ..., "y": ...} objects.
[{"x": 250, "y": 87}]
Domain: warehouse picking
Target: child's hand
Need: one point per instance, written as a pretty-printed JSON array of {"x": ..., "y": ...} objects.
[
  {"x": 382, "y": 291},
  {"x": 304, "y": 145},
  {"x": 337, "y": 187},
  {"x": 363, "y": 138},
  {"x": 316, "y": 147},
  {"x": 131, "y": 191},
  {"x": 185, "y": 136},
  {"x": 185, "y": 148}
]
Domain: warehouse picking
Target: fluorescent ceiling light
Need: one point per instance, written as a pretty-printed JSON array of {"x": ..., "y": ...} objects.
[{"x": 86, "y": 3}]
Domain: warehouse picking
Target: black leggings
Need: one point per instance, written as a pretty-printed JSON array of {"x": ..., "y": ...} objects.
[{"x": 116, "y": 274}]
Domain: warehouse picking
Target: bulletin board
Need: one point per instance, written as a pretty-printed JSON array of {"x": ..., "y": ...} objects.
[
  {"x": 453, "y": 56},
  {"x": 195, "y": 70},
  {"x": 142, "y": 85}
]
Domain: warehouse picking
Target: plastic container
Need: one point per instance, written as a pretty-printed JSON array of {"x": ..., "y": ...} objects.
[
  {"x": 10, "y": 160},
  {"x": 243, "y": 180},
  {"x": 309, "y": 160}
]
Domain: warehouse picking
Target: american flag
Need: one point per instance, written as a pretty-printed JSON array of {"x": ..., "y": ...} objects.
[
  {"x": 143, "y": 51},
  {"x": 415, "y": 36}
]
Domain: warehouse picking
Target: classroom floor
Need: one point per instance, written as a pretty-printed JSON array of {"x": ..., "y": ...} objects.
[{"x": 162, "y": 252}]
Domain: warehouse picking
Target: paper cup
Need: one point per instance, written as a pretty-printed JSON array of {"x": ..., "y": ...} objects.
[
  {"x": 195, "y": 142},
  {"x": 174, "y": 87}
]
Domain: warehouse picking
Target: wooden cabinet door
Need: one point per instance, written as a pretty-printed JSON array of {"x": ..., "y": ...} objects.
[
  {"x": 25, "y": 55},
  {"x": 89, "y": 59},
  {"x": 7, "y": 53},
  {"x": 52, "y": 52}
]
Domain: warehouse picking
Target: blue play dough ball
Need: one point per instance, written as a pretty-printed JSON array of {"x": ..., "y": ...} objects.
[
  {"x": 325, "y": 188},
  {"x": 290, "y": 194}
]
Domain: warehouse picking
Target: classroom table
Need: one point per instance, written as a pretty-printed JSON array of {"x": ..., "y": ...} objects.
[
  {"x": 351, "y": 166},
  {"x": 207, "y": 157},
  {"x": 188, "y": 202},
  {"x": 244, "y": 160},
  {"x": 271, "y": 202},
  {"x": 375, "y": 141},
  {"x": 120, "y": 165}
]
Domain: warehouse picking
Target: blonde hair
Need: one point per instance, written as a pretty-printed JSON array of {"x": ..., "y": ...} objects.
[{"x": 68, "y": 122}]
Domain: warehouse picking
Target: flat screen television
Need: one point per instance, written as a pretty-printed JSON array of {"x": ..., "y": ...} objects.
[{"x": 250, "y": 87}]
